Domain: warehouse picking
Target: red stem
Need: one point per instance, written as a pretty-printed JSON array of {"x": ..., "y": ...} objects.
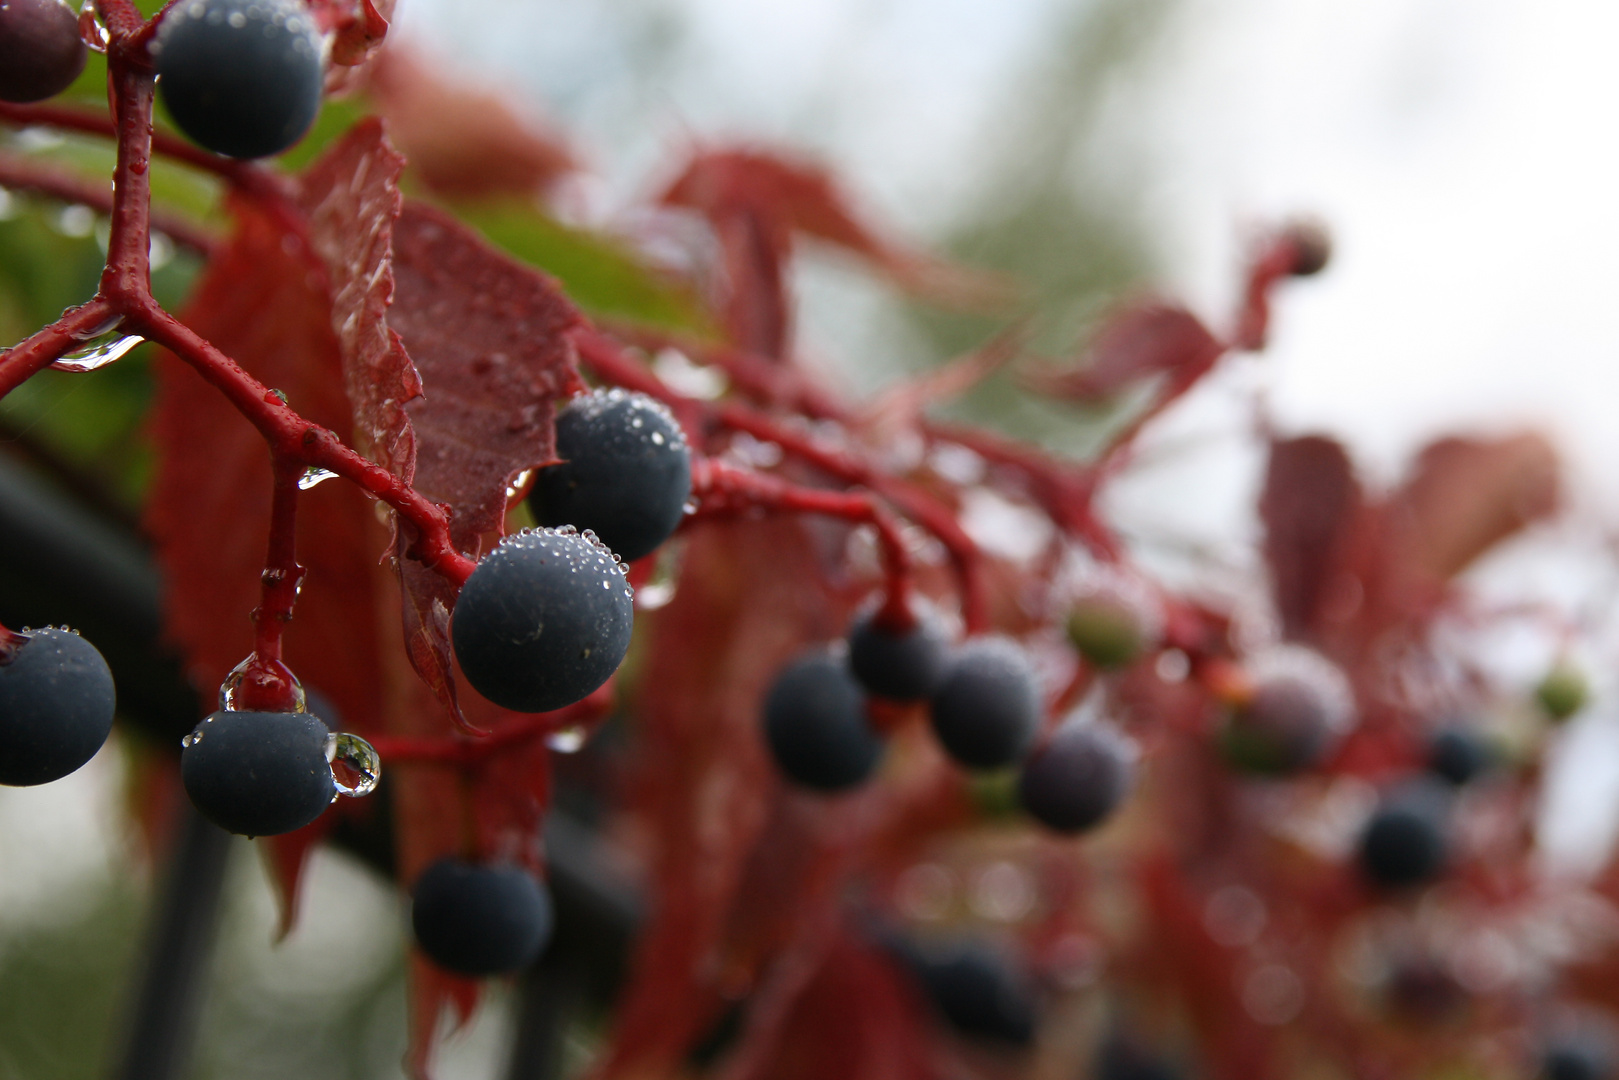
[
  {"x": 725, "y": 490},
  {"x": 612, "y": 364},
  {"x": 282, "y": 575},
  {"x": 460, "y": 749}
]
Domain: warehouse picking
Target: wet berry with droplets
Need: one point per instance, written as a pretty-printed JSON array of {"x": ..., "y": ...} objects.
[
  {"x": 977, "y": 990},
  {"x": 815, "y": 724},
  {"x": 1458, "y": 755},
  {"x": 1077, "y": 778},
  {"x": 41, "y": 52},
  {"x": 901, "y": 667},
  {"x": 258, "y": 773},
  {"x": 1404, "y": 841},
  {"x": 544, "y": 620},
  {"x": 986, "y": 709},
  {"x": 625, "y": 472},
  {"x": 480, "y": 918},
  {"x": 242, "y": 78},
  {"x": 56, "y": 706},
  {"x": 1299, "y": 707}
]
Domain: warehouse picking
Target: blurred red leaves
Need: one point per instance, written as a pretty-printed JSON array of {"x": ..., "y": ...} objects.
[
  {"x": 464, "y": 142},
  {"x": 1338, "y": 558},
  {"x": 756, "y": 203},
  {"x": 1147, "y": 338}
]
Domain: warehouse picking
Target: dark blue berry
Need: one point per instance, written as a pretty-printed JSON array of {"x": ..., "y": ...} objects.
[
  {"x": 41, "y": 52},
  {"x": 625, "y": 473},
  {"x": 480, "y": 919},
  {"x": 1579, "y": 1055},
  {"x": 56, "y": 706},
  {"x": 1078, "y": 778},
  {"x": 1458, "y": 755},
  {"x": 900, "y": 667},
  {"x": 815, "y": 725},
  {"x": 1404, "y": 841},
  {"x": 986, "y": 709},
  {"x": 544, "y": 620},
  {"x": 242, "y": 78},
  {"x": 977, "y": 990},
  {"x": 258, "y": 774},
  {"x": 1124, "y": 1058}
]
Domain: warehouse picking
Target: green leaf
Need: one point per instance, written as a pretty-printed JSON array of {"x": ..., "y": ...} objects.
[{"x": 599, "y": 273}]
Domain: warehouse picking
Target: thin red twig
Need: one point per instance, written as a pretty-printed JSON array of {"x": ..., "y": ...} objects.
[{"x": 725, "y": 490}]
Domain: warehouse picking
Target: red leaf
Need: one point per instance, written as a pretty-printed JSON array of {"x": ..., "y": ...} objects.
[
  {"x": 489, "y": 337},
  {"x": 209, "y": 511},
  {"x": 704, "y": 786},
  {"x": 1145, "y": 339},
  {"x": 757, "y": 201},
  {"x": 1464, "y": 496},
  {"x": 357, "y": 26},
  {"x": 1310, "y": 504},
  {"x": 857, "y": 1018},
  {"x": 464, "y": 142},
  {"x": 352, "y": 198}
]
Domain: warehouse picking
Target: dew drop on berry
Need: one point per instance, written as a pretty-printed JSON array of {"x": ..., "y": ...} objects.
[{"x": 357, "y": 767}]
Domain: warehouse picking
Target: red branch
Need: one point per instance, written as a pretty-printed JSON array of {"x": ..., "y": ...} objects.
[
  {"x": 125, "y": 300},
  {"x": 724, "y": 490},
  {"x": 464, "y": 750},
  {"x": 611, "y": 363}
]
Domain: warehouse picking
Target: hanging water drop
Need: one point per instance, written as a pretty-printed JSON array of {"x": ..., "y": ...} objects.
[
  {"x": 98, "y": 351},
  {"x": 568, "y": 740},
  {"x": 352, "y": 756},
  {"x": 253, "y": 678},
  {"x": 312, "y": 476}
]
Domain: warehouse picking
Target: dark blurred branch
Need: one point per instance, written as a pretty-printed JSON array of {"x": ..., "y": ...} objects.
[{"x": 161, "y": 1019}]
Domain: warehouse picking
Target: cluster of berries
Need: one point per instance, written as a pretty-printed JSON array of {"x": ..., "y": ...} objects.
[{"x": 985, "y": 706}]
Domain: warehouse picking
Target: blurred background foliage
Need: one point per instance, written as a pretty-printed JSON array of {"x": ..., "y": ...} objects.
[{"x": 329, "y": 1001}]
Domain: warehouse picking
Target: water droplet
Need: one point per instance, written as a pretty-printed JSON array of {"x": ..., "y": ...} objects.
[
  {"x": 273, "y": 395},
  {"x": 519, "y": 483},
  {"x": 98, "y": 351},
  {"x": 352, "y": 756},
  {"x": 192, "y": 739},
  {"x": 313, "y": 476},
  {"x": 251, "y": 676},
  {"x": 569, "y": 740}
]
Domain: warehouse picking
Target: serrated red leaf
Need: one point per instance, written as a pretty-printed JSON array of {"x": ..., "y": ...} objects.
[
  {"x": 1144, "y": 339},
  {"x": 1309, "y": 506},
  {"x": 351, "y": 196},
  {"x": 489, "y": 338},
  {"x": 357, "y": 26},
  {"x": 210, "y": 505},
  {"x": 464, "y": 141},
  {"x": 756, "y": 201}
]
